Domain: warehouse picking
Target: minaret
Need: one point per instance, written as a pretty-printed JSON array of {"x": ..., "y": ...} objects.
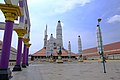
[
  {"x": 79, "y": 46},
  {"x": 45, "y": 37},
  {"x": 69, "y": 49},
  {"x": 51, "y": 44},
  {"x": 59, "y": 35}
]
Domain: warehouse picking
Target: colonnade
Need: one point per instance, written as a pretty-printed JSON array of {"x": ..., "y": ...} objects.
[{"x": 12, "y": 11}]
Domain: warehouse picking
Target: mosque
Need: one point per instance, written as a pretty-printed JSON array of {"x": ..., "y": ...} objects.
[
  {"x": 52, "y": 45},
  {"x": 111, "y": 51}
]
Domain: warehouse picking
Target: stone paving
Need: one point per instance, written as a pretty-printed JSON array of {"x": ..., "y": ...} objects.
[{"x": 69, "y": 71}]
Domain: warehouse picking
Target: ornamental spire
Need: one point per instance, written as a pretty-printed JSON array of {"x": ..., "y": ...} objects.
[
  {"x": 59, "y": 34},
  {"x": 45, "y": 37}
]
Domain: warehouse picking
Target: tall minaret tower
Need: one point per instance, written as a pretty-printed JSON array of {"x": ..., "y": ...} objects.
[
  {"x": 59, "y": 35},
  {"x": 69, "y": 49},
  {"x": 45, "y": 37},
  {"x": 79, "y": 46}
]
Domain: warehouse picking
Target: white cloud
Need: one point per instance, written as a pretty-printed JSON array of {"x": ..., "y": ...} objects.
[
  {"x": 65, "y": 5},
  {"x": 57, "y": 6},
  {"x": 36, "y": 2},
  {"x": 115, "y": 18}
]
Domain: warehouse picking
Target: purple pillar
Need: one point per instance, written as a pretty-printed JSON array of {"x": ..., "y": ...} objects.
[
  {"x": 19, "y": 51},
  {"x": 17, "y": 67},
  {"x": 5, "y": 72},
  {"x": 6, "y": 45},
  {"x": 24, "y": 57},
  {"x": 27, "y": 57}
]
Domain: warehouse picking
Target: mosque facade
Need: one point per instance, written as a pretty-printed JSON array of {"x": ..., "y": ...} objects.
[
  {"x": 53, "y": 45},
  {"x": 53, "y": 42}
]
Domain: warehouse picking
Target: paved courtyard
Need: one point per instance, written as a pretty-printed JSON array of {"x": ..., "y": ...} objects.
[{"x": 69, "y": 71}]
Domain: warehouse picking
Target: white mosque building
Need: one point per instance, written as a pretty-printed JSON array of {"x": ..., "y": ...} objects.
[
  {"x": 52, "y": 45},
  {"x": 53, "y": 42}
]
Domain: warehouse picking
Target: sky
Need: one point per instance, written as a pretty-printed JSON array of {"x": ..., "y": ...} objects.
[{"x": 78, "y": 17}]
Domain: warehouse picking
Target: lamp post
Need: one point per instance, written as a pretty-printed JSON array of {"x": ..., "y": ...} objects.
[
  {"x": 100, "y": 45},
  {"x": 59, "y": 52},
  {"x": 51, "y": 54},
  {"x": 46, "y": 55}
]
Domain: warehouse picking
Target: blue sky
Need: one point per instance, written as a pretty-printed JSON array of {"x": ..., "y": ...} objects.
[{"x": 78, "y": 17}]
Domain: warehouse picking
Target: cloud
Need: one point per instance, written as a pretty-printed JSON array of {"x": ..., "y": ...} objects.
[
  {"x": 57, "y": 6},
  {"x": 36, "y": 2},
  {"x": 115, "y": 18},
  {"x": 66, "y": 5}
]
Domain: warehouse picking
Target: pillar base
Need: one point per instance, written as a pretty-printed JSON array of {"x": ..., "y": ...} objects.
[
  {"x": 5, "y": 74},
  {"x": 51, "y": 61},
  {"x": 23, "y": 65},
  {"x": 17, "y": 68},
  {"x": 80, "y": 60},
  {"x": 69, "y": 60},
  {"x": 59, "y": 61},
  {"x": 27, "y": 64}
]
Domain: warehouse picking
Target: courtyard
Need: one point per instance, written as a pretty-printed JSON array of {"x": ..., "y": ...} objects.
[{"x": 88, "y": 70}]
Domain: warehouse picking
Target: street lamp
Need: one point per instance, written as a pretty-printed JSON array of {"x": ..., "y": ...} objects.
[
  {"x": 59, "y": 52},
  {"x": 100, "y": 45}
]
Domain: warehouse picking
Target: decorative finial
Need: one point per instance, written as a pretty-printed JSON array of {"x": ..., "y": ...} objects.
[
  {"x": 59, "y": 21},
  {"x": 79, "y": 36},
  {"x": 99, "y": 19},
  {"x": 51, "y": 34}
]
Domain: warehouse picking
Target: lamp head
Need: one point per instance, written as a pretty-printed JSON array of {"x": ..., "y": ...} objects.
[{"x": 99, "y": 19}]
